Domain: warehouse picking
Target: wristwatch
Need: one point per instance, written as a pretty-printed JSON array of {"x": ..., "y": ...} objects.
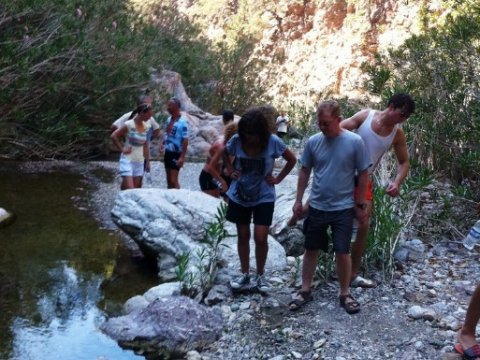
[{"x": 362, "y": 206}]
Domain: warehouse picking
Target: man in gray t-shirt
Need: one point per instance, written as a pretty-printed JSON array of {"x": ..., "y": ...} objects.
[{"x": 335, "y": 155}]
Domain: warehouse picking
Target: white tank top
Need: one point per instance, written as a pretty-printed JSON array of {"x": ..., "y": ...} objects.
[{"x": 376, "y": 145}]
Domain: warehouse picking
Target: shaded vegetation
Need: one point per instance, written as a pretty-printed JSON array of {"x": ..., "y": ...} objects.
[{"x": 68, "y": 69}]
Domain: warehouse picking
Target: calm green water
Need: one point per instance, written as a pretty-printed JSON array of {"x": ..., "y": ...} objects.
[{"x": 60, "y": 275}]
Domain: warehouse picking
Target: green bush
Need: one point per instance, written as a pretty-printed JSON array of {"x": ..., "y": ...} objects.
[{"x": 67, "y": 70}]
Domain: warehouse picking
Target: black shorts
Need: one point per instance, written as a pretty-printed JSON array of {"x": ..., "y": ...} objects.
[
  {"x": 262, "y": 213},
  {"x": 206, "y": 181},
  {"x": 315, "y": 229},
  {"x": 170, "y": 160}
]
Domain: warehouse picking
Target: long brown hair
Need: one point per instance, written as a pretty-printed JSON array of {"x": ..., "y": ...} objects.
[{"x": 254, "y": 122}]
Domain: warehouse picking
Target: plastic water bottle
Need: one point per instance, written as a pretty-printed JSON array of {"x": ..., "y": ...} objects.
[
  {"x": 354, "y": 230},
  {"x": 472, "y": 237}
]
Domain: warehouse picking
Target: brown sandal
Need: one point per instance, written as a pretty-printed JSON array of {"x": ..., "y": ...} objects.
[
  {"x": 302, "y": 298},
  {"x": 352, "y": 306}
]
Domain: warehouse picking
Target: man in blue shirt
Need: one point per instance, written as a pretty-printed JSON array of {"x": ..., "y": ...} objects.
[
  {"x": 175, "y": 143},
  {"x": 335, "y": 155}
]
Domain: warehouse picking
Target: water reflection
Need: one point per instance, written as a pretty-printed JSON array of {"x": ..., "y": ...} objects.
[{"x": 54, "y": 263}]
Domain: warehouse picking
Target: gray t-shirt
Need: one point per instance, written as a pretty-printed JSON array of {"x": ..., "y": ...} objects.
[
  {"x": 251, "y": 188},
  {"x": 335, "y": 162}
]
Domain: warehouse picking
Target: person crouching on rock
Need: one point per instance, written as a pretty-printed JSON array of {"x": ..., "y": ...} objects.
[
  {"x": 252, "y": 191},
  {"x": 135, "y": 155},
  {"x": 213, "y": 179}
]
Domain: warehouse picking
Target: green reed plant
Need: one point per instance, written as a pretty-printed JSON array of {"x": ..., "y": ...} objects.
[
  {"x": 207, "y": 258},
  {"x": 390, "y": 217}
]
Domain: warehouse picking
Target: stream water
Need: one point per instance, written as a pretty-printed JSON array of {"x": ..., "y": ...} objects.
[{"x": 60, "y": 274}]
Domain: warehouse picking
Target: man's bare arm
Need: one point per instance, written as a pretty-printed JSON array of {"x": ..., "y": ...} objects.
[
  {"x": 401, "y": 153},
  {"x": 354, "y": 122}
]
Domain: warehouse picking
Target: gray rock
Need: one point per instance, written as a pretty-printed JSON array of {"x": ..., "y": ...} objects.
[
  {"x": 162, "y": 290},
  {"x": 217, "y": 295},
  {"x": 6, "y": 217},
  {"x": 171, "y": 325},
  {"x": 416, "y": 312},
  {"x": 135, "y": 303}
]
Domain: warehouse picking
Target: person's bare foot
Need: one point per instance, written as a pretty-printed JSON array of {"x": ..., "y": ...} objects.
[{"x": 466, "y": 340}]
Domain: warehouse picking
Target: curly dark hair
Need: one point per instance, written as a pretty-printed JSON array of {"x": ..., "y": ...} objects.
[
  {"x": 253, "y": 122},
  {"x": 402, "y": 101}
]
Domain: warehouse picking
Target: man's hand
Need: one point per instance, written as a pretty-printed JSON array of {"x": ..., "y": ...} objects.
[
  {"x": 180, "y": 162},
  {"x": 297, "y": 209},
  {"x": 360, "y": 215},
  {"x": 393, "y": 190}
]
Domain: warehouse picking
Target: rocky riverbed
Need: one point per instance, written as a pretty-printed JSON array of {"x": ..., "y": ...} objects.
[{"x": 413, "y": 316}]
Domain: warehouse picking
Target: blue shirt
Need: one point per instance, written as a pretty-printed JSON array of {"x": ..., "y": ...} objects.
[
  {"x": 251, "y": 188},
  {"x": 335, "y": 162},
  {"x": 174, "y": 138}
]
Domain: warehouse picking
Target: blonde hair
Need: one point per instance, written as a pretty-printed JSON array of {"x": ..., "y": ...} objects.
[
  {"x": 230, "y": 130},
  {"x": 329, "y": 105}
]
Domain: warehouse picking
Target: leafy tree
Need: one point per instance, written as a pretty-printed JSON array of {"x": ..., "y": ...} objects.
[{"x": 440, "y": 68}]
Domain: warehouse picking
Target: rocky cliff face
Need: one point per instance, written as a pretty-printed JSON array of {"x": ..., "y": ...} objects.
[
  {"x": 320, "y": 46},
  {"x": 315, "y": 47}
]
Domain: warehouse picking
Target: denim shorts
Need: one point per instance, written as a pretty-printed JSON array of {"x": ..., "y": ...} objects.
[
  {"x": 340, "y": 223},
  {"x": 131, "y": 168}
]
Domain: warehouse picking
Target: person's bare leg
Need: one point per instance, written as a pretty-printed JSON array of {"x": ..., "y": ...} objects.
[
  {"x": 260, "y": 234},
  {"x": 137, "y": 182},
  {"x": 344, "y": 265},
  {"x": 467, "y": 334},
  {"x": 243, "y": 246},
  {"x": 127, "y": 183},
  {"x": 358, "y": 247},
  {"x": 214, "y": 192},
  {"x": 310, "y": 260},
  {"x": 172, "y": 179}
]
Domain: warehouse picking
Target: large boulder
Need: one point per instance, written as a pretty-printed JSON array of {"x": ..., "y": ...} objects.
[
  {"x": 168, "y": 327},
  {"x": 169, "y": 223}
]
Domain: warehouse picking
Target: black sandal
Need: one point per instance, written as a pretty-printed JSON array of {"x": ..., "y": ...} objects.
[
  {"x": 352, "y": 306},
  {"x": 302, "y": 298}
]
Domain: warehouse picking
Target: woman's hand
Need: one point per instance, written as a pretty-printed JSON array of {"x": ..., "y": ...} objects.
[
  {"x": 235, "y": 174},
  {"x": 271, "y": 180},
  {"x": 127, "y": 150}
]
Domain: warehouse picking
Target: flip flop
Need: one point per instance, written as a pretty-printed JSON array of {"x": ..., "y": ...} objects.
[
  {"x": 472, "y": 353},
  {"x": 302, "y": 298},
  {"x": 363, "y": 283}
]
